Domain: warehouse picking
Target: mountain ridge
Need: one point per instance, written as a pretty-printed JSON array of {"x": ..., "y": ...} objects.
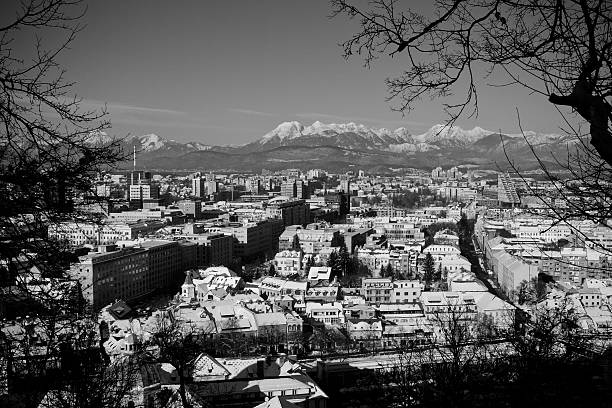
[{"x": 358, "y": 144}]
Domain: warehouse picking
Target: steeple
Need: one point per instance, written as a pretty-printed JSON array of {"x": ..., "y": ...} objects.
[{"x": 188, "y": 289}]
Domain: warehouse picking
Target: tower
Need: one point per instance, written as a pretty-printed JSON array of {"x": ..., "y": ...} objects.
[{"x": 188, "y": 289}]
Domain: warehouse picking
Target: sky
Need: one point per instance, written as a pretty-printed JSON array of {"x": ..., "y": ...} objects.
[{"x": 229, "y": 71}]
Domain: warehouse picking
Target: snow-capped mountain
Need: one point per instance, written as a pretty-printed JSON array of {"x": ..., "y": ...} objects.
[
  {"x": 345, "y": 145},
  {"x": 154, "y": 143},
  {"x": 451, "y": 135},
  {"x": 357, "y": 136},
  {"x": 99, "y": 138}
]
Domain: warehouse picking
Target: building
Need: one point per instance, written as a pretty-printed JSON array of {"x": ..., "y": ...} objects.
[
  {"x": 406, "y": 291},
  {"x": 89, "y": 233},
  {"x": 288, "y": 262},
  {"x": 198, "y": 187},
  {"x": 212, "y": 186},
  {"x": 506, "y": 190},
  {"x": 400, "y": 231},
  {"x": 255, "y": 239},
  {"x": 191, "y": 208},
  {"x": 326, "y": 313},
  {"x": 511, "y": 270},
  {"x": 112, "y": 273},
  {"x": 377, "y": 290},
  {"x": 171, "y": 216},
  {"x": 276, "y": 287},
  {"x": 165, "y": 263},
  {"x": 212, "y": 248},
  {"x": 292, "y": 212}
]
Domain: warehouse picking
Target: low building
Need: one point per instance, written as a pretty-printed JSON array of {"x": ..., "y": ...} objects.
[
  {"x": 377, "y": 290},
  {"x": 322, "y": 294},
  {"x": 406, "y": 291},
  {"x": 288, "y": 262}
]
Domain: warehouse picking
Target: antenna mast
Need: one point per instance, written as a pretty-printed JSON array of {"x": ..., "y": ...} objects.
[{"x": 134, "y": 158}]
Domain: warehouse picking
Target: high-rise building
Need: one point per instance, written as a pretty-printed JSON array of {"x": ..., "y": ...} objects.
[
  {"x": 288, "y": 189},
  {"x": 212, "y": 186},
  {"x": 198, "y": 187},
  {"x": 140, "y": 177},
  {"x": 139, "y": 192},
  {"x": 506, "y": 191},
  {"x": 345, "y": 185}
]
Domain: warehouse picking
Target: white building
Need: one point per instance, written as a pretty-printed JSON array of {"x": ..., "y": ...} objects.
[
  {"x": 288, "y": 262},
  {"x": 406, "y": 291}
]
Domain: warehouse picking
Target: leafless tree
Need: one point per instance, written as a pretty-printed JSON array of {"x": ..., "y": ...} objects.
[
  {"x": 51, "y": 149},
  {"x": 560, "y": 49}
]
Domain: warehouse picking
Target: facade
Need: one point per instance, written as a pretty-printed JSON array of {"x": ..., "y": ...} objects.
[
  {"x": 288, "y": 262},
  {"x": 212, "y": 249},
  {"x": 255, "y": 239},
  {"x": 377, "y": 290},
  {"x": 165, "y": 260},
  {"x": 406, "y": 291},
  {"x": 88, "y": 233},
  {"x": 112, "y": 274},
  {"x": 198, "y": 187},
  {"x": 166, "y": 215},
  {"x": 191, "y": 208},
  {"x": 398, "y": 231},
  {"x": 292, "y": 212},
  {"x": 506, "y": 191}
]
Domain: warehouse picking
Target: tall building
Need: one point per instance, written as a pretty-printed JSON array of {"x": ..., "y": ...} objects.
[
  {"x": 288, "y": 189},
  {"x": 345, "y": 186},
  {"x": 140, "y": 177},
  {"x": 212, "y": 186},
  {"x": 437, "y": 173},
  {"x": 302, "y": 191},
  {"x": 198, "y": 187},
  {"x": 506, "y": 191}
]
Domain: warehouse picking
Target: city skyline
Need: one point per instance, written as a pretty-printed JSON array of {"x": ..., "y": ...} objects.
[{"x": 222, "y": 73}]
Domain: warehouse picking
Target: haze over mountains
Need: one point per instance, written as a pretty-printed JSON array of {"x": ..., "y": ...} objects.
[{"x": 340, "y": 147}]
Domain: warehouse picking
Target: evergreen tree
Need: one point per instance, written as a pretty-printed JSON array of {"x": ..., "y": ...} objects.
[
  {"x": 333, "y": 263},
  {"x": 389, "y": 271},
  {"x": 438, "y": 275},
  {"x": 272, "y": 270},
  {"x": 344, "y": 261},
  {"x": 296, "y": 244},
  {"x": 428, "y": 270}
]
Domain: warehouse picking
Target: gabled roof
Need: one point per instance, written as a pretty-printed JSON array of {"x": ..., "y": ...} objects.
[{"x": 277, "y": 402}]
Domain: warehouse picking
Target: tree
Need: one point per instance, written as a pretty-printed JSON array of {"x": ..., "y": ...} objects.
[
  {"x": 428, "y": 270},
  {"x": 389, "y": 273},
  {"x": 559, "y": 49},
  {"x": 52, "y": 149},
  {"x": 437, "y": 277},
  {"x": 334, "y": 263},
  {"x": 179, "y": 344},
  {"x": 272, "y": 270},
  {"x": 530, "y": 292},
  {"x": 296, "y": 244}
]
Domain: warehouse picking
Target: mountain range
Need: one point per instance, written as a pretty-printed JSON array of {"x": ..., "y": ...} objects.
[{"x": 345, "y": 146}]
